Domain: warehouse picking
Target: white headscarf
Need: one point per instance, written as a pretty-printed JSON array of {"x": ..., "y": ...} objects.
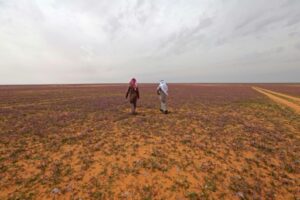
[{"x": 163, "y": 86}]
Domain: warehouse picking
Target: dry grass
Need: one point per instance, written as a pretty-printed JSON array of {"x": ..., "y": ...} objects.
[{"x": 219, "y": 142}]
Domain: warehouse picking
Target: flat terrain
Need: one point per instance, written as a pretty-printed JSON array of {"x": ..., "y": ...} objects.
[
  {"x": 283, "y": 99},
  {"x": 220, "y": 141},
  {"x": 290, "y": 89}
]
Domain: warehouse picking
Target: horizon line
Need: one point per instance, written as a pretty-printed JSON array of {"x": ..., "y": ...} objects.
[{"x": 121, "y": 83}]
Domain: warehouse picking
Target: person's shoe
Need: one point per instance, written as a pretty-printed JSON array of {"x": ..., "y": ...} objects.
[
  {"x": 166, "y": 112},
  {"x": 161, "y": 110}
]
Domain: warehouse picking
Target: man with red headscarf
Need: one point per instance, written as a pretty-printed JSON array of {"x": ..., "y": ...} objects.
[{"x": 133, "y": 93}]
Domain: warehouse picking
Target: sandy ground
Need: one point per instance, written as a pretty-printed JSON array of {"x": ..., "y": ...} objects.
[
  {"x": 297, "y": 99},
  {"x": 275, "y": 97},
  {"x": 80, "y": 142}
]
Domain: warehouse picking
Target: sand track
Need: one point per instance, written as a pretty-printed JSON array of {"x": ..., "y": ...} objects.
[
  {"x": 278, "y": 98},
  {"x": 296, "y": 99}
]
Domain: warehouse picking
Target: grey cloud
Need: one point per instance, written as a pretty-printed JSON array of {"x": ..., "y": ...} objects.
[
  {"x": 108, "y": 41},
  {"x": 179, "y": 41},
  {"x": 125, "y": 19},
  {"x": 245, "y": 23},
  {"x": 294, "y": 20},
  {"x": 203, "y": 23},
  {"x": 262, "y": 17},
  {"x": 113, "y": 26},
  {"x": 289, "y": 3},
  {"x": 258, "y": 56},
  {"x": 261, "y": 25},
  {"x": 144, "y": 10},
  {"x": 221, "y": 41},
  {"x": 297, "y": 46},
  {"x": 255, "y": 26},
  {"x": 294, "y": 34}
]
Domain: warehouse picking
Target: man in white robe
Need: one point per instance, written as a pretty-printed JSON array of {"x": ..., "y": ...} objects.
[{"x": 162, "y": 91}]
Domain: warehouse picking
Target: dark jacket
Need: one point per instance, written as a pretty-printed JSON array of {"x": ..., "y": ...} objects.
[{"x": 133, "y": 94}]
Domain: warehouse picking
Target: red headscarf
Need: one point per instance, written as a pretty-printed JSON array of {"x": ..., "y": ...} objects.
[{"x": 133, "y": 83}]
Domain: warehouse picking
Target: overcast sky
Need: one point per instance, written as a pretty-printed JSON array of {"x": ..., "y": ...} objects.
[{"x": 90, "y": 41}]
